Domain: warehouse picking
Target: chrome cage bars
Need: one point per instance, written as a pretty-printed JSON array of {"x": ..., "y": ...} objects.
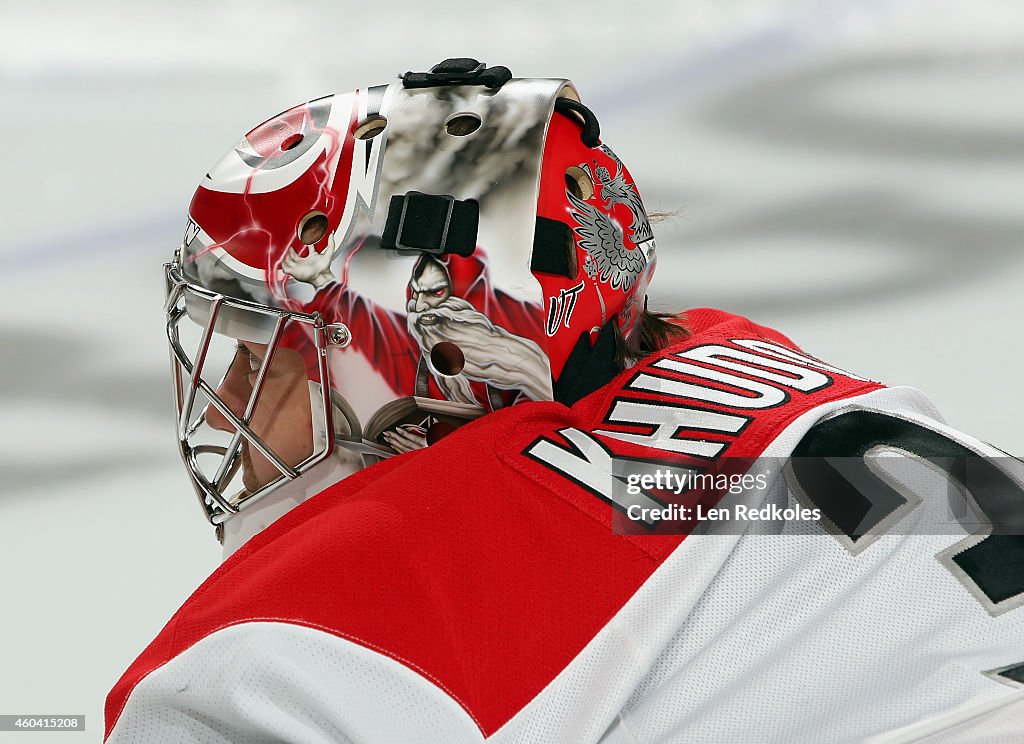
[{"x": 216, "y": 506}]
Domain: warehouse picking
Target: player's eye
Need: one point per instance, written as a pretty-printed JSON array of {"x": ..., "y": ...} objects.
[
  {"x": 254, "y": 361},
  {"x": 438, "y": 292}
]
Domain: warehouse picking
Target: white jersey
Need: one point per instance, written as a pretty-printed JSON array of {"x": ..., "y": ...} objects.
[{"x": 496, "y": 586}]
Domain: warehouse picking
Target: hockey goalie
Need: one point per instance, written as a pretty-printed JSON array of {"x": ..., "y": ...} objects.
[{"x": 471, "y": 489}]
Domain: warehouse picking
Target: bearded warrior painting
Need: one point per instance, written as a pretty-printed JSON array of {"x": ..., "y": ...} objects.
[{"x": 494, "y": 365}]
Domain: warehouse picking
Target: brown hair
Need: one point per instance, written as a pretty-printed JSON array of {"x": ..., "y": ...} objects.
[{"x": 654, "y": 332}]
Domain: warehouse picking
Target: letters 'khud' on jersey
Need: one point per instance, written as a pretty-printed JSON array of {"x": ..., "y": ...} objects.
[{"x": 711, "y": 404}]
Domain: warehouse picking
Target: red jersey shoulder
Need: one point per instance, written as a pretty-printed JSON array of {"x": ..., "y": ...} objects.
[
  {"x": 446, "y": 560},
  {"x": 707, "y": 321}
]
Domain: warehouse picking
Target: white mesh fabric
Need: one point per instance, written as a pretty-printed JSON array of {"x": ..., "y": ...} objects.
[
  {"x": 264, "y": 682},
  {"x": 797, "y": 640}
]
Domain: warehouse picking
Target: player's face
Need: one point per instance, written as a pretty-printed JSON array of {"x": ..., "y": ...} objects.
[{"x": 282, "y": 416}]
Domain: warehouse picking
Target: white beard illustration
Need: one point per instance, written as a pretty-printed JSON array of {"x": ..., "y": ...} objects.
[{"x": 493, "y": 355}]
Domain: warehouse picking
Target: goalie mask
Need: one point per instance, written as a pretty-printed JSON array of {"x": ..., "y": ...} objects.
[{"x": 408, "y": 257}]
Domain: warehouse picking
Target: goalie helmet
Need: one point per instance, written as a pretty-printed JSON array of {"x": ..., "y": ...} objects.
[{"x": 434, "y": 249}]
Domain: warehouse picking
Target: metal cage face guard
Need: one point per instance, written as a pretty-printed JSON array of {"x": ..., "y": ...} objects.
[{"x": 225, "y": 318}]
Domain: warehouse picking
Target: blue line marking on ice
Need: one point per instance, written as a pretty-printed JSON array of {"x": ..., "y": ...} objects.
[
  {"x": 690, "y": 74},
  {"x": 674, "y": 79},
  {"x": 79, "y": 245}
]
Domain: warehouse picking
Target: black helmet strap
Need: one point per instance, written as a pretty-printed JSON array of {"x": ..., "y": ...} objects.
[{"x": 458, "y": 71}]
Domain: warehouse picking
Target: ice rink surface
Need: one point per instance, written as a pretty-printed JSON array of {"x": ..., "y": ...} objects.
[{"x": 851, "y": 173}]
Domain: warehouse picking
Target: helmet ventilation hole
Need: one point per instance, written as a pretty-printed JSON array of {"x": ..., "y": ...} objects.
[
  {"x": 447, "y": 358},
  {"x": 459, "y": 125},
  {"x": 370, "y": 127},
  {"x": 578, "y": 182},
  {"x": 312, "y": 227},
  {"x": 291, "y": 141}
]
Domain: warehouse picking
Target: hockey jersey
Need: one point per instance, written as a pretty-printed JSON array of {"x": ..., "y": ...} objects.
[{"x": 506, "y": 584}]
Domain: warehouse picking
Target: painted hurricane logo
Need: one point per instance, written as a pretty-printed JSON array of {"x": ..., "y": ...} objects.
[{"x": 609, "y": 259}]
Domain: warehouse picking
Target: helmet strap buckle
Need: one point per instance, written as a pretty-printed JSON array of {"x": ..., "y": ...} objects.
[{"x": 431, "y": 223}]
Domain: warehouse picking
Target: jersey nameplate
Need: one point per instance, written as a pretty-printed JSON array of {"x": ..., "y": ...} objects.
[{"x": 690, "y": 406}]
